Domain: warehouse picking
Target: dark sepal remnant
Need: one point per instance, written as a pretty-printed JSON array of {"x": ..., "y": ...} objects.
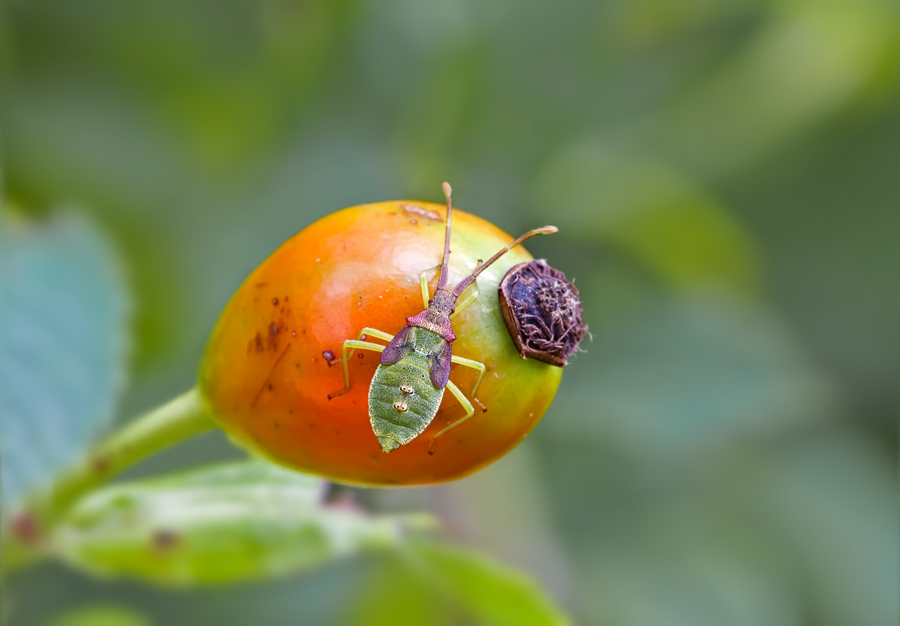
[{"x": 542, "y": 311}]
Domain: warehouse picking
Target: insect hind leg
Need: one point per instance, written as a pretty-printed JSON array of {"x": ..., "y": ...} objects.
[
  {"x": 475, "y": 365},
  {"x": 470, "y": 411},
  {"x": 353, "y": 344}
]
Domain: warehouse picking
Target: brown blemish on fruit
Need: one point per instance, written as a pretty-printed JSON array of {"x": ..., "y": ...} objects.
[
  {"x": 24, "y": 527},
  {"x": 273, "y": 331},
  {"x": 259, "y": 343},
  {"x": 261, "y": 284},
  {"x": 100, "y": 464},
  {"x": 431, "y": 215},
  {"x": 165, "y": 540},
  {"x": 275, "y": 301},
  {"x": 266, "y": 381},
  {"x": 329, "y": 357}
]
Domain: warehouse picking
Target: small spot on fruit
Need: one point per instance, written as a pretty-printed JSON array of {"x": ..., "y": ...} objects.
[
  {"x": 431, "y": 215},
  {"x": 25, "y": 528},
  {"x": 164, "y": 540}
]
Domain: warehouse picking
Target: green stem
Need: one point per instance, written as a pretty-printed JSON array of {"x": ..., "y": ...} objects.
[{"x": 182, "y": 418}]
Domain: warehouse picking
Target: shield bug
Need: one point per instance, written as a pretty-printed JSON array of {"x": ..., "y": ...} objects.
[{"x": 414, "y": 370}]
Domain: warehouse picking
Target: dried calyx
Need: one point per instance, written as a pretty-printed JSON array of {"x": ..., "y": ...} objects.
[{"x": 542, "y": 312}]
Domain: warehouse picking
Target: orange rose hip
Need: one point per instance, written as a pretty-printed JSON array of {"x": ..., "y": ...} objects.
[{"x": 275, "y": 355}]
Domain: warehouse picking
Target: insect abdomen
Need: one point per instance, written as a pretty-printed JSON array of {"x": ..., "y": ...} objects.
[{"x": 402, "y": 402}]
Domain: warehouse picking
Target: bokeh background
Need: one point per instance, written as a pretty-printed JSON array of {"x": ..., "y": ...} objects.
[{"x": 724, "y": 174}]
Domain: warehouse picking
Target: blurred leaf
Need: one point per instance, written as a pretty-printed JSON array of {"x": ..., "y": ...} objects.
[
  {"x": 809, "y": 60},
  {"x": 63, "y": 344},
  {"x": 831, "y": 500},
  {"x": 689, "y": 374},
  {"x": 646, "y": 210},
  {"x": 100, "y": 615},
  {"x": 799, "y": 534},
  {"x": 679, "y": 572},
  {"x": 440, "y": 584},
  {"x": 235, "y": 522},
  {"x": 493, "y": 593}
]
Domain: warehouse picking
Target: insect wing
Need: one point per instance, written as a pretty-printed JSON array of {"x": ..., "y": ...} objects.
[
  {"x": 400, "y": 346},
  {"x": 440, "y": 365}
]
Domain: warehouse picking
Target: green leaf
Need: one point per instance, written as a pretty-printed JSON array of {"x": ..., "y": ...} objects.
[
  {"x": 440, "y": 584},
  {"x": 224, "y": 524},
  {"x": 810, "y": 59},
  {"x": 63, "y": 344},
  {"x": 494, "y": 593},
  {"x": 100, "y": 615},
  {"x": 648, "y": 211}
]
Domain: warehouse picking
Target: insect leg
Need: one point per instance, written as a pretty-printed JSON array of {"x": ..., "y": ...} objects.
[
  {"x": 423, "y": 283},
  {"x": 353, "y": 344},
  {"x": 475, "y": 365},
  {"x": 472, "y": 297},
  {"x": 470, "y": 411},
  {"x": 374, "y": 332},
  {"x": 365, "y": 333}
]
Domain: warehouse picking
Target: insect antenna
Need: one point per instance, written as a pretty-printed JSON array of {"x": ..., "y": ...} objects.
[
  {"x": 464, "y": 283},
  {"x": 442, "y": 281}
]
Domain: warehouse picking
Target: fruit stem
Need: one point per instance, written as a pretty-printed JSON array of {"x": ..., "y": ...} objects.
[{"x": 27, "y": 532}]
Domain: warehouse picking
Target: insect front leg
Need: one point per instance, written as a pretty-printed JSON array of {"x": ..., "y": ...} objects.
[
  {"x": 423, "y": 283},
  {"x": 472, "y": 297},
  {"x": 470, "y": 411},
  {"x": 475, "y": 365},
  {"x": 353, "y": 344}
]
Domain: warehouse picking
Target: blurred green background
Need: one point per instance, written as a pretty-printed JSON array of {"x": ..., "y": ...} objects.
[{"x": 724, "y": 174}]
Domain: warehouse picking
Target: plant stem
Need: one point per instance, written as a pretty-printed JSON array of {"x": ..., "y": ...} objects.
[{"x": 25, "y": 538}]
